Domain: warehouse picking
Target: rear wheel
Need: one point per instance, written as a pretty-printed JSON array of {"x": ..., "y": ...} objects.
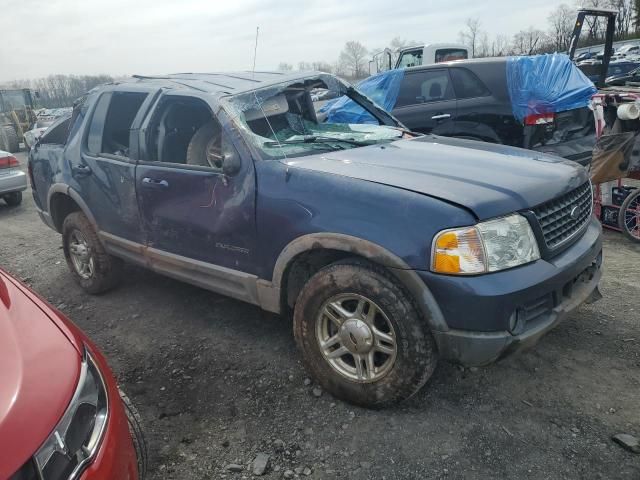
[
  {"x": 629, "y": 216},
  {"x": 361, "y": 336},
  {"x": 13, "y": 199},
  {"x": 137, "y": 434},
  {"x": 95, "y": 270}
]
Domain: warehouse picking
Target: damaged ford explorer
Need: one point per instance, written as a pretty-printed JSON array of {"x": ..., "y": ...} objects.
[{"x": 389, "y": 250}]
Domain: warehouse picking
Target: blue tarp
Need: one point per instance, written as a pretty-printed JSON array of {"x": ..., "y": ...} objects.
[
  {"x": 382, "y": 88},
  {"x": 546, "y": 84}
]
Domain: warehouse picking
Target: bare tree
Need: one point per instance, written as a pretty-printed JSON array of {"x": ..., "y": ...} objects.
[
  {"x": 353, "y": 59},
  {"x": 471, "y": 35},
  {"x": 500, "y": 46},
  {"x": 562, "y": 20},
  {"x": 624, "y": 18},
  {"x": 285, "y": 67},
  {"x": 528, "y": 42},
  {"x": 483, "y": 46},
  {"x": 322, "y": 67},
  {"x": 60, "y": 90}
]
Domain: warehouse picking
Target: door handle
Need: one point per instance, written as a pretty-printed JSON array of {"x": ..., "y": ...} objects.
[
  {"x": 81, "y": 170},
  {"x": 441, "y": 116},
  {"x": 153, "y": 183}
]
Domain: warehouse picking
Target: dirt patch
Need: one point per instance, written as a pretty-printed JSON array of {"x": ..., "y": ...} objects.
[{"x": 218, "y": 381}]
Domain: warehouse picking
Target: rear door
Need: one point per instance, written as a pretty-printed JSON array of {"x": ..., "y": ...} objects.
[
  {"x": 483, "y": 114},
  {"x": 426, "y": 101},
  {"x": 104, "y": 173}
]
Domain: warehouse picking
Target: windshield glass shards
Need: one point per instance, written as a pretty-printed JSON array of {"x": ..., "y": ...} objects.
[{"x": 287, "y": 120}]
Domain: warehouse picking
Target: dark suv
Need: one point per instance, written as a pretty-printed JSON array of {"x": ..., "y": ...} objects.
[
  {"x": 470, "y": 99},
  {"x": 390, "y": 249}
]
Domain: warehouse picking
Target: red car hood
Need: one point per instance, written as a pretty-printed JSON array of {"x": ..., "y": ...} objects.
[{"x": 40, "y": 360}]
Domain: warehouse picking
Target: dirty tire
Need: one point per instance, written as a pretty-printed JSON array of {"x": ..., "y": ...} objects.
[
  {"x": 13, "y": 199},
  {"x": 107, "y": 269},
  {"x": 416, "y": 357},
  {"x": 199, "y": 144},
  {"x": 632, "y": 231},
  {"x": 137, "y": 434},
  {"x": 12, "y": 142}
]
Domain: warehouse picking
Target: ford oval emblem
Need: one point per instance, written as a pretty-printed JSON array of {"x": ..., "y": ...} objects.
[{"x": 575, "y": 213}]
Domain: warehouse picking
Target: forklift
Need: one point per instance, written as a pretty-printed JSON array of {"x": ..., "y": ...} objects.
[
  {"x": 595, "y": 13},
  {"x": 17, "y": 116}
]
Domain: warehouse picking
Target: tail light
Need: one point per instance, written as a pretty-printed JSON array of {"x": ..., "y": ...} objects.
[
  {"x": 539, "y": 119},
  {"x": 9, "y": 162}
]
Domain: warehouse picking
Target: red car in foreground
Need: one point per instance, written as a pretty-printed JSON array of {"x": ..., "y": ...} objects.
[{"x": 62, "y": 415}]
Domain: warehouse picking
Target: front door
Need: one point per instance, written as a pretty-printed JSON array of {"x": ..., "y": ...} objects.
[
  {"x": 426, "y": 102},
  {"x": 195, "y": 216}
]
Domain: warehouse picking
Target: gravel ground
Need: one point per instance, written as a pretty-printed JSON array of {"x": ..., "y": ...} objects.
[{"x": 218, "y": 381}]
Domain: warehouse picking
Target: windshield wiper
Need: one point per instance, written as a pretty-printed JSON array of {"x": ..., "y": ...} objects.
[{"x": 319, "y": 139}]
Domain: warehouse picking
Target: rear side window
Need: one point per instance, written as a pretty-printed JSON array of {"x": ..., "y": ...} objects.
[
  {"x": 425, "y": 87},
  {"x": 467, "y": 84},
  {"x": 450, "y": 54},
  {"x": 56, "y": 134},
  {"x": 111, "y": 122}
]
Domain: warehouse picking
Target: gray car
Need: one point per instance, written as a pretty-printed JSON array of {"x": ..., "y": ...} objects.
[{"x": 12, "y": 180}]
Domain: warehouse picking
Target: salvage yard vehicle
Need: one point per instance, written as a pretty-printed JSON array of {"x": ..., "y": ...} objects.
[
  {"x": 417, "y": 55},
  {"x": 13, "y": 181},
  {"x": 390, "y": 248},
  {"x": 45, "y": 118},
  {"x": 62, "y": 415},
  {"x": 16, "y": 117},
  {"x": 490, "y": 99}
]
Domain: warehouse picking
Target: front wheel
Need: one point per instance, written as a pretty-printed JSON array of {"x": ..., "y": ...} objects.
[
  {"x": 629, "y": 216},
  {"x": 361, "y": 336},
  {"x": 93, "y": 268},
  {"x": 137, "y": 435}
]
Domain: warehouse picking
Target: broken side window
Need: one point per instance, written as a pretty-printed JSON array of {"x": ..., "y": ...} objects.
[
  {"x": 111, "y": 122},
  {"x": 184, "y": 131}
]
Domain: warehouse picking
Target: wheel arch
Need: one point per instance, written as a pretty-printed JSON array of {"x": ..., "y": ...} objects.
[
  {"x": 63, "y": 200},
  {"x": 335, "y": 246}
]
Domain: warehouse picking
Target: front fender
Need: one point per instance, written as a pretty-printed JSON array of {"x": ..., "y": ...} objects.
[{"x": 371, "y": 251}]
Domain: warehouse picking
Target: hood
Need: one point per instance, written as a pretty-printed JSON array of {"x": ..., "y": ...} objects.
[
  {"x": 488, "y": 179},
  {"x": 39, "y": 373}
]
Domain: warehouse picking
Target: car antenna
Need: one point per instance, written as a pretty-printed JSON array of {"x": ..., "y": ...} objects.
[
  {"x": 255, "y": 52},
  {"x": 253, "y": 72}
]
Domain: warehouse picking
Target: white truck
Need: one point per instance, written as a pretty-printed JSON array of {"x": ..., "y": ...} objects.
[{"x": 419, "y": 55}]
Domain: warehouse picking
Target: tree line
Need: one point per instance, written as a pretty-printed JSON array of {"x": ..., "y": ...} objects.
[
  {"x": 57, "y": 91},
  {"x": 353, "y": 61}
]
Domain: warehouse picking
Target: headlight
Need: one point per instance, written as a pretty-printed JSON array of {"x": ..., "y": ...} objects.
[
  {"x": 486, "y": 247},
  {"x": 76, "y": 438}
]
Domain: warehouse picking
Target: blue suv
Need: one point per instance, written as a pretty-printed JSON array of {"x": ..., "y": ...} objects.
[{"x": 390, "y": 249}]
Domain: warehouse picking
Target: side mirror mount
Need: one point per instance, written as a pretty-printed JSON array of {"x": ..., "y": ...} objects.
[{"x": 231, "y": 163}]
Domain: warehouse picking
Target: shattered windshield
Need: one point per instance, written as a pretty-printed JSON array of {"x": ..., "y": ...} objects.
[{"x": 287, "y": 120}]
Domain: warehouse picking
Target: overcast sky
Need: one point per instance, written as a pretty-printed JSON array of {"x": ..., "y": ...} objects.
[{"x": 42, "y": 37}]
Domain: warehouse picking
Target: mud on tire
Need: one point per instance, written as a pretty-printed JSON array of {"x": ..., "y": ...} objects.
[
  {"x": 106, "y": 269},
  {"x": 416, "y": 353}
]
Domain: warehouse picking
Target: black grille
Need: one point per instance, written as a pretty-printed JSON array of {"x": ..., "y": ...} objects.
[{"x": 555, "y": 219}]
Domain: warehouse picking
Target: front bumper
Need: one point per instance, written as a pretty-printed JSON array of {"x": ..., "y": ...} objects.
[
  {"x": 12, "y": 180},
  {"x": 492, "y": 315}
]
